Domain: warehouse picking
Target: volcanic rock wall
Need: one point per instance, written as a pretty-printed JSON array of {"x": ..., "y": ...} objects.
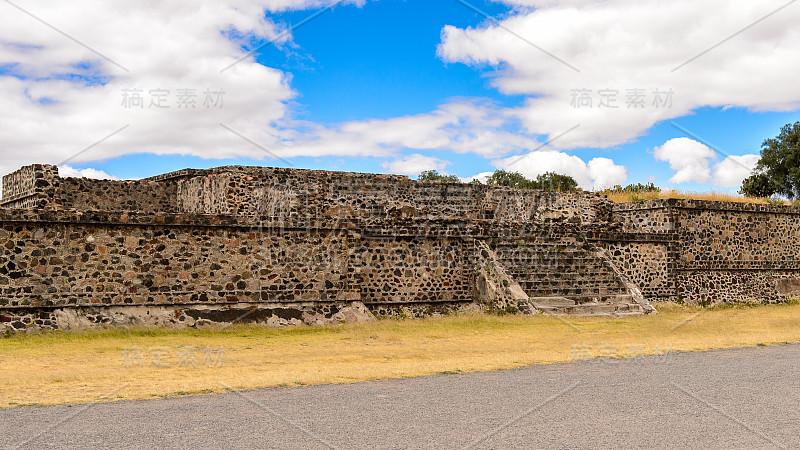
[
  {"x": 276, "y": 245},
  {"x": 711, "y": 251},
  {"x": 292, "y": 193},
  {"x": 39, "y": 186},
  {"x": 286, "y": 246},
  {"x": 30, "y": 187}
]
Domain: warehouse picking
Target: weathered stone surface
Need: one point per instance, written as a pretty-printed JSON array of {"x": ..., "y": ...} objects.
[
  {"x": 704, "y": 252},
  {"x": 209, "y": 243},
  {"x": 270, "y": 314},
  {"x": 788, "y": 286},
  {"x": 495, "y": 287}
]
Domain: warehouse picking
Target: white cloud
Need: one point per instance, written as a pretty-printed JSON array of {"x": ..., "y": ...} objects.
[
  {"x": 688, "y": 158},
  {"x": 626, "y": 44},
  {"x": 617, "y": 44},
  {"x": 482, "y": 177},
  {"x": 461, "y": 126},
  {"x": 69, "y": 171},
  {"x": 415, "y": 164},
  {"x": 731, "y": 171},
  {"x": 692, "y": 162},
  {"x": 65, "y": 97},
  {"x": 187, "y": 46},
  {"x": 604, "y": 173},
  {"x": 598, "y": 173}
]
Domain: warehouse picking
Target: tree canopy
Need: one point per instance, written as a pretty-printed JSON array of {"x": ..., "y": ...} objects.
[
  {"x": 549, "y": 181},
  {"x": 434, "y": 175},
  {"x": 637, "y": 188},
  {"x": 778, "y": 170}
]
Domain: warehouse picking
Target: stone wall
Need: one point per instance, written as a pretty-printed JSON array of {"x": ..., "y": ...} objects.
[
  {"x": 737, "y": 251},
  {"x": 121, "y": 259},
  {"x": 304, "y": 246},
  {"x": 116, "y": 195},
  {"x": 710, "y": 251},
  {"x": 64, "y": 259},
  {"x": 295, "y": 193},
  {"x": 39, "y": 186},
  {"x": 203, "y": 195},
  {"x": 648, "y": 260},
  {"x": 649, "y": 216},
  {"x": 30, "y": 187}
]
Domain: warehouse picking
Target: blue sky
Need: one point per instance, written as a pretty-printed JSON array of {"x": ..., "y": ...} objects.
[
  {"x": 461, "y": 93},
  {"x": 380, "y": 61}
]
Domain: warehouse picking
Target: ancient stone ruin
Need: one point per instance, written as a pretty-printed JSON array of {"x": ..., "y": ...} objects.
[{"x": 288, "y": 246}]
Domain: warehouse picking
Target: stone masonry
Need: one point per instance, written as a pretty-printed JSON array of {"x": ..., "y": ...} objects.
[{"x": 289, "y": 246}]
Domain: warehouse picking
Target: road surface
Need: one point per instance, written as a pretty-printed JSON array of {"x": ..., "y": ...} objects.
[{"x": 742, "y": 398}]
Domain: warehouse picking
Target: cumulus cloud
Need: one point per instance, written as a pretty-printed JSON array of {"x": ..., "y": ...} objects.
[
  {"x": 625, "y": 50},
  {"x": 165, "y": 76},
  {"x": 692, "y": 162},
  {"x": 688, "y": 158},
  {"x": 415, "y": 164},
  {"x": 731, "y": 171},
  {"x": 598, "y": 173},
  {"x": 66, "y": 97},
  {"x": 604, "y": 173},
  {"x": 69, "y": 100},
  {"x": 482, "y": 177},
  {"x": 69, "y": 171},
  {"x": 462, "y": 126}
]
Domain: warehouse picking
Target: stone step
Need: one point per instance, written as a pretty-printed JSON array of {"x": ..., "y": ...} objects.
[
  {"x": 573, "y": 300},
  {"x": 543, "y": 252},
  {"x": 595, "y": 310},
  {"x": 558, "y": 244},
  {"x": 534, "y": 257},
  {"x": 546, "y": 264},
  {"x": 575, "y": 253},
  {"x": 562, "y": 307},
  {"x": 564, "y": 276},
  {"x": 528, "y": 251},
  {"x": 552, "y": 301},
  {"x": 586, "y": 283},
  {"x": 587, "y": 291},
  {"x": 555, "y": 268},
  {"x": 576, "y": 281},
  {"x": 575, "y": 292},
  {"x": 567, "y": 283},
  {"x": 543, "y": 256}
]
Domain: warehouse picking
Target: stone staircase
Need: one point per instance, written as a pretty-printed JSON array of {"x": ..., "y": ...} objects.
[{"x": 566, "y": 277}]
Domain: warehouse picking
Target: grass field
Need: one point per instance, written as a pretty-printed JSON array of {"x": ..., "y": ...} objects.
[
  {"x": 623, "y": 197},
  {"x": 113, "y": 364}
]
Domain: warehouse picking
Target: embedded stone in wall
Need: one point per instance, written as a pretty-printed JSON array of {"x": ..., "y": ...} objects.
[
  {"x": 269, "y": 314},
  {"x": 495, "y": 288},
  {"x": 31, "y": 186},
  {"x": 788, "y": 286}
]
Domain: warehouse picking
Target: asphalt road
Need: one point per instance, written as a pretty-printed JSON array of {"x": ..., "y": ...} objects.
[{"x": 744, "y": 398}]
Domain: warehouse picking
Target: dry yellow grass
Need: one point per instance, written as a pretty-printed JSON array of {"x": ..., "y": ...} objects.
[
  {"x": 54, "y": 368},
  {"x": 623, "y": 197}
]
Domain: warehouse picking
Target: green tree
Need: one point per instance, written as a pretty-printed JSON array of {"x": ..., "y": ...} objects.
[
  {"x": 549, "y": 181},
  {"x": 757, "y": 185},
  {"x": 637, "y": 188},
  {"x": 552, "y": 181},
  {"x": 778, "y": 170},
  {"x": 509, "y": 179},
  {"x": 433, "y": 175}
]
